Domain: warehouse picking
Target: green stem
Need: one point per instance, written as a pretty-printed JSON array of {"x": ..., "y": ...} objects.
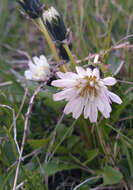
[
  {"x": 48, "y": 38},
  {"x": 85, "y": 133},
  {"x": 70, "y": 55},
  {"x": 105, "y": 148},
  {"x": 100, "y": 136}
]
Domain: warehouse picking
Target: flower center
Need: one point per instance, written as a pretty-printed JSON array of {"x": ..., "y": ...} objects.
[{"x": 88, "y": 86}]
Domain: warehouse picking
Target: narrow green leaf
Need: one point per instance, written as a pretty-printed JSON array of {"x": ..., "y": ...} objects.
[
  {"x": 11, "y": 140},
  {"x": 37, "y": 143},
  {"x": 91, "y": 155},
  {"x": 6, "y": 179}
]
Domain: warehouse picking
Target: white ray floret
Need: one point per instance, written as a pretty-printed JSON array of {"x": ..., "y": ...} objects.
[{"x": 86, "y": 93}]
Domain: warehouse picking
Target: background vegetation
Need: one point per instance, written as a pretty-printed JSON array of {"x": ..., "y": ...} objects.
[{"x": 61, "y": 153}]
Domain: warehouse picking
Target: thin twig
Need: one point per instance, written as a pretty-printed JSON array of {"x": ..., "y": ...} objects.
[
  {"x": 125, "y": 38},
  {"x": 126, "y": 82},
  {"x": 21, "y": 107},
  {"x": 17, "y": 50},
  {"x": 128, "y": 90},
  {"x": 24, "y": 157},
  {"x": 117, "y": 46},
  {"x": 102, "y": 54},
  {"x": 20, "y": 185},
  {"x": 126, "y": 118},
  {"x": 28, "y": 113},
  {"x": 6, "y": 83},
  {"x": 87, "y": 180}
]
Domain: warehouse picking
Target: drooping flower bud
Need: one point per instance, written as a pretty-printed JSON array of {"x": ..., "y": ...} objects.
[
  {"x": 55, "y": 24},
  {"x": 57, "y": 29},
  {"x": 31, "y": 7}
]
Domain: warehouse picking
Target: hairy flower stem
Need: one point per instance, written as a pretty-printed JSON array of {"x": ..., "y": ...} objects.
[
  {"x": 70, "y": 55},
  {"x": 50, "y": 43}
]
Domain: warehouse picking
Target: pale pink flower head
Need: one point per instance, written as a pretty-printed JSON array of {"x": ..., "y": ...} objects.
[{"x": 86, "y": 92}]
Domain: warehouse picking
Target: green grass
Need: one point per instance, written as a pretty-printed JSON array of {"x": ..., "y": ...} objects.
[{"x": 75, "y": 153}]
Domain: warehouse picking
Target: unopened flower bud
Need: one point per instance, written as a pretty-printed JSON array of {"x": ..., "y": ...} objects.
[
  {"x": 55, "y": 24},
  {"x": 31, "y": 7},
  {"x": 57, "y": 29}
]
